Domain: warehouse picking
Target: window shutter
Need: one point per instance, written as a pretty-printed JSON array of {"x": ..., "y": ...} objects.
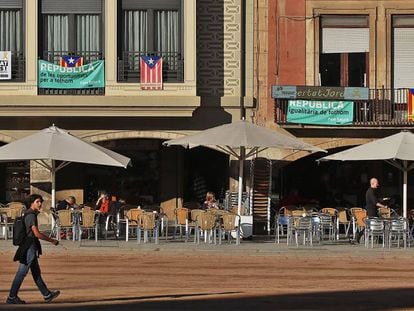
[
  {"x": 345, "y": 40},
  {"x": 403, "y": 62},
  {"x": 11, "y": 4},
  {"x": 73, "y": 6}
]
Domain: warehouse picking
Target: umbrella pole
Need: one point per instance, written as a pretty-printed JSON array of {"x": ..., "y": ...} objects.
[
  {"x": 53, "y": 177},
  {"x": 405, "y": 170},
  {"x": 241, "y": 167}
]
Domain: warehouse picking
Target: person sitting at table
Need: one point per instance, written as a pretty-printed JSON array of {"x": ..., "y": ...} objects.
[
  {"x": 69, "y": 202},
  {"x": 210, "y": 201},
  {"x": 102, "y": 205}
]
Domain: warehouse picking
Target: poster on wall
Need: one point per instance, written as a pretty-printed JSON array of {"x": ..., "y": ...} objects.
[
  {"x": 53, "y": 76},
  {"x": 5, "y": 65},
  {"x": 320, "y": 112}
]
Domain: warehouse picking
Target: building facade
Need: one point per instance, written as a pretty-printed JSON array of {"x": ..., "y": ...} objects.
[
  {"x": 207, "y": 52},
  {"x": 320, "y": 46}
]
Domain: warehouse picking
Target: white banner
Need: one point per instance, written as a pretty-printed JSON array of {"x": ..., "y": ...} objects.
[{"x": 5, "y": 65}]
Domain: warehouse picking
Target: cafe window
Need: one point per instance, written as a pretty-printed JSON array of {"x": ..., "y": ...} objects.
[{"x": 344, "y": 50}]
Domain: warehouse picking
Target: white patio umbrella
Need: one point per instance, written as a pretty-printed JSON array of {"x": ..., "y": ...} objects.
[
  {"x": 242, "y": 139},
  {"x": 54, "y": 144},
  {"x": 396, "y": 150}
]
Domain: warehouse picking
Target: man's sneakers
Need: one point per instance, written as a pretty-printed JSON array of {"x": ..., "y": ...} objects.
[
  {"x": 15, "y": 301},
  {"x": 52, "y": 295}
]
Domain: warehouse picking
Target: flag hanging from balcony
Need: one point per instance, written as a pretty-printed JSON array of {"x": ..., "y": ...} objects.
[
  {"x": 151, "y": 73},
  {"x": 410, "y": 112},
  {"x": 71, "y": 61}
]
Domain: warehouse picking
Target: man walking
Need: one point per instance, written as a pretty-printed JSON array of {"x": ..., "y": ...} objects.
[
  {"x": 29, "y": 251},
  {"x": 372, "y": 203}
]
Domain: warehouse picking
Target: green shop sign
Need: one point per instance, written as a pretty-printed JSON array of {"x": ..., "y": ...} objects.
[
  {"x": 52, "y": 76},
  {"x": 320, "y": 112}
]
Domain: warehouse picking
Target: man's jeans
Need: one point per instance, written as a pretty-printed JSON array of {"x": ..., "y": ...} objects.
[{"x": 33, "y": 265}]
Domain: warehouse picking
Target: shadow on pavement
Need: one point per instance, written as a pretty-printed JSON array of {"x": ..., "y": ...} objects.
[{"x": 384, "y": 299}]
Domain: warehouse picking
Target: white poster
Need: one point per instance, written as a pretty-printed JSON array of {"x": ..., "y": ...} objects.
[{"x": 5, "y": 65}]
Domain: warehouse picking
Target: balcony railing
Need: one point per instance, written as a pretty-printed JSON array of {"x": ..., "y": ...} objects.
[
  {"x": 385, "y": 107},
  {"x": 18, "y": 65},
  {"x": 54, "y": 57},
  {"x": 129, "y": 66}
]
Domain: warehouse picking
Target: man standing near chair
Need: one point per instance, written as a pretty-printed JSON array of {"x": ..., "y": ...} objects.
[
  {"x": 371, "y": 202},
  {"x": 29, "y": 251}
]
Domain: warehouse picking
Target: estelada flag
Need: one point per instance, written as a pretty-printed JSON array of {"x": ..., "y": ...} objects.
[
  {"x": 410, "y": 112},
  {"x": 71, "y": 61},
  {"x": 151, "y": 73}
]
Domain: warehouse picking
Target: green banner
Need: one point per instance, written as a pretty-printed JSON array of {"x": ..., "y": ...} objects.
[
  {"x": 320, "y": 112},
  {"x": 52, "y": 76}
]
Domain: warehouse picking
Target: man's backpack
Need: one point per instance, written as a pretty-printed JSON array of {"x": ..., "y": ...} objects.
[{"x": 19, "y": 231}]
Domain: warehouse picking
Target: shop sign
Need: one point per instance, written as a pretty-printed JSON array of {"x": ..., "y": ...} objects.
[
  {"x": 320, "y": 92},
  {"x": 320, "y": 112},
  {"x": 5, "y": 65},
  {"x": 56, "y": 77}
]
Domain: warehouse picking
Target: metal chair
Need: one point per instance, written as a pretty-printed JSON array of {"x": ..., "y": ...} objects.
[
  {"x": 303, "y": 226},
  {"x": 398, "y": 228},
  {"x": 327, "y": 223},
  {"x": 283, "y": 224},
  {"x": 374, "y": 227}
]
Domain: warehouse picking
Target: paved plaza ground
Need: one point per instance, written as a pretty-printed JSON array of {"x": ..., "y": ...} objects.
[{"x": 256, "y": 275}]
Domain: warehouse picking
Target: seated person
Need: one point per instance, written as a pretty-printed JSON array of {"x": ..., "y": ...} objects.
[
  {"x": 69, "y": 202},
  {"x": 102, "y": 204},
  {"x": 210, "y": 201}
]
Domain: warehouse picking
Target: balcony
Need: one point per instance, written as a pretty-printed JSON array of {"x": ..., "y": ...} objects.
[
  {"x": 54, "y": 57},
  {"x": 384, "y": 108},
  {"x": 17, "y": 68},
  {"x": 129, "y": 66}
]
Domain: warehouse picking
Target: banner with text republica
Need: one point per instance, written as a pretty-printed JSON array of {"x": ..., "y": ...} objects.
[
  {"x": 320, "y": 112},
  {"x": 53, "y": 76}
]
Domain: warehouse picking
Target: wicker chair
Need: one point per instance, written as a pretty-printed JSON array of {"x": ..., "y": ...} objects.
[
  {"x": 65, "y": 222},
  {"x": 181, "y": 221},
  {"x": 359, "y": 220},
  {"x": 89, "y": 223},
  {"x": 206, "y": 223},
  {"x": 9, "y": 213},
  {"x": 230, "y": 223},
  {"x": 132, "y": 221},
  {"x": 148, "y": 224},
  {"x": 343, "y": 220}
]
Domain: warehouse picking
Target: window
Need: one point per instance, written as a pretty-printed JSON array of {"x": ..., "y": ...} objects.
[
  {"x": 343, "y": 60},
  {"x": 11, "y": 37},
  {"x": 150, "y": 28},
  {"x": 403, "y": 46},
  {"x": 71, "y": 27}
]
